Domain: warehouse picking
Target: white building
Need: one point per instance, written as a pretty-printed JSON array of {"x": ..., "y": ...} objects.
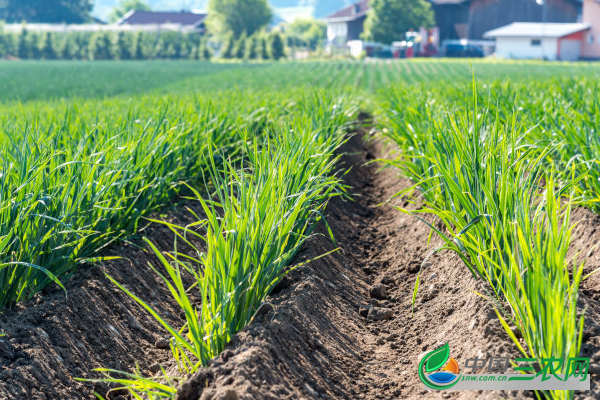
[{"x": 550, "y": 41}]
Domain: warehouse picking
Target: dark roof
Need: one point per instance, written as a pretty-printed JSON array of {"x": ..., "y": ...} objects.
[
  {"x": 351, "y": 12},
  {"x": 138, "y": 17}
]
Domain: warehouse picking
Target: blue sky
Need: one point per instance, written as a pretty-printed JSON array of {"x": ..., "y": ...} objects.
[{"x": 103, "y": 7}]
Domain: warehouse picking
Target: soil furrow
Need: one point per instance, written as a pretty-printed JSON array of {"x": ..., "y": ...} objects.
[{"x": 341, "y": 327}]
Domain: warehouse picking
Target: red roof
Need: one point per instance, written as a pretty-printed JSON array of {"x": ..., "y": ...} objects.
[
  {"x": 351, "y": 12},
  {"x": 138, "y": 17}
]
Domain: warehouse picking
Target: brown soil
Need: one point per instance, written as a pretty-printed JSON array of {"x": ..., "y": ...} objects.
[
  {"x": 585, "y": 242},
  {"x": 310, "y": 341}
]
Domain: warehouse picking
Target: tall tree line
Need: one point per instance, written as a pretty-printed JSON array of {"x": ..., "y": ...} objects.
[
  {"x": 106, "y": 45},
  {"x": 49, "y": 11}
]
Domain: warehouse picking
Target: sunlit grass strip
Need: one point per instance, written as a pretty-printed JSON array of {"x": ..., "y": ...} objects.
[
  {"x": 503, "y": 216},
  {"x": 262, "y": 211}
]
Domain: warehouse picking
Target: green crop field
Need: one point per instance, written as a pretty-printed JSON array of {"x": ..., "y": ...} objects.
[{"x": 499, "y": 152}]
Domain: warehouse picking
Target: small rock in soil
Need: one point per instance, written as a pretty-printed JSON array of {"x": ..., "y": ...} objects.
[
  {"x": 283, "y": 284},
  {"x": 413, "y": 267},
  {"x": 310, "y": 390},
  {"x": 378, "y": 292},
  {"x": 374, "y": 302},
  {"x": 264, "y": 309},
  {"x": 368, "y": 270},
  {"x": 472, "y": 324},
  {"x": 154, "y": 368},
  {"x": 133, "y": 323},
  {"x": 379, "y": 313},
  {"x": 392, "y": 337},
  {"x": 516, "y": 332},
  {"x": 162, "y": 343},
  {"x": 364, "y": 310}
]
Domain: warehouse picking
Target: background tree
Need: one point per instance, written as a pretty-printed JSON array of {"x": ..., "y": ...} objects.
[
  {"x": 227, "y": 48},
  {"x": 125, "y": 6},
  {"x": 276, "y": 46},
  {"x": 51, "y": 11},
  {"x": 34, "y": 45},
  {"x": 240, "y": 47},
  {"x": 100, "y": 46},
  {"x": 83, "y": 44},
  {"x": 7, "y": 43},
  {"x": 122, "y": 46},
  {"x": 263, "y": 49},
  {"x": 204, "y": 50},
  {"x": 70, "y": 48},
  {"x": 23, "y": 44},
  {"x": 139, "y": 53},
  {"x": 306, "y": 33},
  {"x": 389, "y": 20},
  {"x": 237, "y": 17},
  {"x": 251, "y": 48},
  {"x": 47, "y": 47}
]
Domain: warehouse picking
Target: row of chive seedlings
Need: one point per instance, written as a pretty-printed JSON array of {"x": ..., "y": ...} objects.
[
  {"x": 76, "y": 178},
  {"x": 260, "y": 208},
  {"x": 505, "y": 213}
]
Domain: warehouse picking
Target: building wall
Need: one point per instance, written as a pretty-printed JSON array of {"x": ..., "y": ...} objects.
[
  {"x": 523, "y": 49},
  {"x": 591, "y": 40},
  {"x": 485, "y": 15},
  {"x": 337, "y": 29},
  {"x": 449, "y": 17},
  {"x": 355, "y": 28},
  {"x": 569, "y": 47}
]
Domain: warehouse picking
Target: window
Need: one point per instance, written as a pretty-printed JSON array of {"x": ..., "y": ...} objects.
[
  {"x": 536, "y": 42},
  {"x": 590, "y": 38}
]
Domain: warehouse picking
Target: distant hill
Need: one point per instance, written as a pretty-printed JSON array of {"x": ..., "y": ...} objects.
[{"x": 322, "y": 7}]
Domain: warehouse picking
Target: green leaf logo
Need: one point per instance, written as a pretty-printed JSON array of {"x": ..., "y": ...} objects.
[
  {"x": 433, "y": 361},
  {"x": 437, "y": 358}
]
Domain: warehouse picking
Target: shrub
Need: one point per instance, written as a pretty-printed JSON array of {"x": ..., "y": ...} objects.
[{"x": 276, "y": 46}]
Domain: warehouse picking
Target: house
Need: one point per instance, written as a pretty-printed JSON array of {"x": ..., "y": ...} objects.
[
  {"x": 185, "y": 20},
  {"x": 470, "y": 19},
  {"x": 347, "y": 24},
  {"x": 591, "y": 43},
  {"x": 550, "y": 41},
  {"x": 462, "y": 19}
]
